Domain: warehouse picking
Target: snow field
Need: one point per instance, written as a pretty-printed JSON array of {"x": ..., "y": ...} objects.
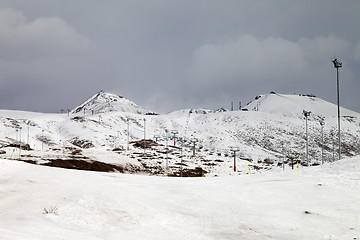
[
  {"x": 321, "y": 203},
  {"x": 275, "y": 131}
]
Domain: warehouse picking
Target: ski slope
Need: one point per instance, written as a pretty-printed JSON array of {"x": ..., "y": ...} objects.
[
  {"x": 321, "y": 203},
  {"x": 293, "y": 105},
  {"x": 262, "y": 199},
  {"x": 272, "y": 129}
]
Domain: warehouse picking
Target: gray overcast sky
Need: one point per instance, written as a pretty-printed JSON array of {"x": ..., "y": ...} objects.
[{"x": 171, "y": 54}]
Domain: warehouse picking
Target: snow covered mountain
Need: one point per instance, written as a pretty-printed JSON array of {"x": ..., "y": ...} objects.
[
  {"x": 270, "y": 132},
  {"x": 108, "y": 133},
  {"x": 293, "y": 105},
  {"x": 106, "y": 102}
]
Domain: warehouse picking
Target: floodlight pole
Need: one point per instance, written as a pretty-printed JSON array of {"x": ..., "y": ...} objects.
[
  {"x": 333, "y": 146},
  {"x": 322, "y": 123},
  {"x": 234, "y": 149},
  {"x": 17, "y": 130},
  {"x": 20, "y": 135},
  {"x": 194, "y": 141},
  {"x": 28, "y": 132},
  {"x": 128, "y": 133},
  {"x": 182, "y": 145},
  {"x": 181, "y": 161},
  {"x": 42, "y": 142},
  {"x": 174, "y": 132},
  {"x": 144, "y": 135},
  {"x": 20, "y": 144},
  {"x": 306, "y": 114},
  {"x": 167, "y": 159},
  {"x": 337, "y": 65}
]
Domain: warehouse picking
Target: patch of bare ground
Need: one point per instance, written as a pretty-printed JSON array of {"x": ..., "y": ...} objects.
[
  {"x": 23, "y": 146},
  {"x": 79, "y": 162},
  {"x": 256, "y": 167},
  {"x": 89, "y": 165},
  {"x": 148, "y": 143},
  {"x": 46, "y": 140},
  {"x": 210, "y": 164},
  {"x": 196, "y": 172},
  {"x": 82, "y": 143}
]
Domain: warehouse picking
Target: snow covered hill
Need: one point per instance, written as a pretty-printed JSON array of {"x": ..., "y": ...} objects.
[
  {"x": 103, "y": 102},
  {"x": 110, "y": 129},
  {"x": 111, "y": 135},
  {"x": 293, "y": 105}
]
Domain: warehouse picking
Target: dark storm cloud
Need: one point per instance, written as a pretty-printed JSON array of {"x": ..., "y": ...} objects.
[{"x": 167, "y": 55}]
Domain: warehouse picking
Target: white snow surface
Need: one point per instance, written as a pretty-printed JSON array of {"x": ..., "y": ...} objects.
[
  {"x": 321, "y": 203},
  {"x": 260, "y": 200},
  {"x": 106, "y": 102},
  {"x": 293, "y": 105},
  {"x": 276, "y": 131}
]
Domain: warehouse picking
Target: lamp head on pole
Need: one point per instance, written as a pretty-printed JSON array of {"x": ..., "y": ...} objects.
[
  {"x": 337, "y": 63},
  {"x": 234, "y": 149},
  {"x": 306, "y": 113}
]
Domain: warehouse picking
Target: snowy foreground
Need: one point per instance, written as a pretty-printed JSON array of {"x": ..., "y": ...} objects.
[{"x": 321, "y": 203}]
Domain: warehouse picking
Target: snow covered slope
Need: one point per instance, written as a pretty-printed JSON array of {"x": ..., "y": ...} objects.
[
  {"x": 321, "y": 203},
  {"x": 293, "y": 105},
  {"x": 273, "y": 134},
  {"x": 106, "y": 102},
  {"x": 317, "y": 202}
]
